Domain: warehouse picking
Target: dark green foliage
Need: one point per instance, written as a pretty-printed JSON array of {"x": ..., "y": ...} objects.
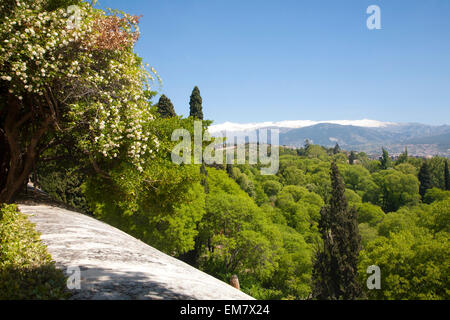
[
  {"x": 336, "y": 149},
  {"x": 62, "y": 180},
  {"x": 385, "y": 160},
  {"x": 52, "y": 5},
  {"x": 403, "y": 157},
  {"x": 4, "y": 158},
  {"x": 204, "y": 180},
  {"x": 446, "y": 176},
  {"x": 424, "y": 179},
  {"x": 436, "y": 166},
  {"x": 165, "y": 107},
  {"x": 307, "y": 144},
  {"x": 436, "y": 194},
  {"x": 393, "y": 189},
  {"x": 335, "y": 268},
  {"x": 195, "y": 104},
  {"x": 26, "y": 268},
  {"x": 352, "y": 158}
]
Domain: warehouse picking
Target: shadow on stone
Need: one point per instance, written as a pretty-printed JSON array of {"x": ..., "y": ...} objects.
[{"x": 107, "y": 284}]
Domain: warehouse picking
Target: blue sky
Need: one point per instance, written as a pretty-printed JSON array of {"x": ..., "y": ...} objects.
[{"x": 257, "y": 60}]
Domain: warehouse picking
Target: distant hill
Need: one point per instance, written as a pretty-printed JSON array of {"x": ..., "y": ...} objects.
[
  {"x": 442, "y": 140},
  {"x": 359, "y": 135},
  {"x": 329, "y": 134}
]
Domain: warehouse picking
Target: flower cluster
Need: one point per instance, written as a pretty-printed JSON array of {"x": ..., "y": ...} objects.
[{"x": 112, "y": 32}]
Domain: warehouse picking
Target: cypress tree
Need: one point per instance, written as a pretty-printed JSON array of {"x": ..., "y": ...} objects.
[
  {"x": 307, "y": 144},
  {"x": 446, "y": 176},
  {"x": 424, "y": 179},
  {"x": 336, "y": 149},
  {"x": 352, "y": 157},
  {"x": 385, "y": 159},
  {"x": 229, "y": 169},
  {"x": 195, "y": 104},
  {"x": 204, "y": 180},
  {"x": 165, "y": 107},
  {"x": 335, "y": 274},
  {"x": 403, "y": 157}
]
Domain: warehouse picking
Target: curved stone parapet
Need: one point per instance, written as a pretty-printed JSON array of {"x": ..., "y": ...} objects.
[{"x": 115, "y": 265}]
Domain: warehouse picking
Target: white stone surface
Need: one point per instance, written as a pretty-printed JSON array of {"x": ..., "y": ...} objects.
[{"x": 114, "y": 265}]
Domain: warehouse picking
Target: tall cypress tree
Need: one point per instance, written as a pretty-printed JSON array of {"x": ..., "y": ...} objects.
[
  {"x": 385, "y": 159},
  {"x": 424, "y": 179},
  {"x": 195, "y": 104},
  {"x": 204, "y": 180},
  {"x": 336, "y": 149},
  {"x": 446, "y": 176},
  {"x": 352, "y": 157},
  {"x": 403, "y": 157},
  {"x": 335, "y": 273},
  {"x": 165, "y": 107}
]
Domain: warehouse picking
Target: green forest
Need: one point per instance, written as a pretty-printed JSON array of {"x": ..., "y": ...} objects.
[
  {"x": 230, "y": 219},
  {"x": 79, "y": 114}
]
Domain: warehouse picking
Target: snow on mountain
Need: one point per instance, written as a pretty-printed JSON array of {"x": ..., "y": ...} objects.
[{"x": 293, "y": 124}]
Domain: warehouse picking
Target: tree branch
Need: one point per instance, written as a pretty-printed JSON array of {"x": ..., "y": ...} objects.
[
  {"x": 97, "y": 168},
  {"x": 52, "y": 109}
]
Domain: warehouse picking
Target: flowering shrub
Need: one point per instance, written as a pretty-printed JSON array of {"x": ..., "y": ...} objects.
[
  {"x": 75, "y": 87},
  {"x": 73, "y": 75}
]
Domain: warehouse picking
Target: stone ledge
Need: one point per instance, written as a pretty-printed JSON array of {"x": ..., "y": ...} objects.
[{"x": 114, "y": 265}]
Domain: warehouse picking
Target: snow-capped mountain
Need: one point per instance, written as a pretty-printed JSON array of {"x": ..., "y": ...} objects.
[
  {"x": 359, "y": 135},
  {"x": 293, "y": 124}
]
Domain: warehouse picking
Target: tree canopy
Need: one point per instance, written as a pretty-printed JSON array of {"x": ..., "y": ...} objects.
[
  {"x": 78, "y": 83},
  {"x": 195, "y": 103},
  {"x": 165, "y": 107}
]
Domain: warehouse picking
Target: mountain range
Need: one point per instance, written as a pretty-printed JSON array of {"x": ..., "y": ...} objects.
[{"x": 359, "y": 135}]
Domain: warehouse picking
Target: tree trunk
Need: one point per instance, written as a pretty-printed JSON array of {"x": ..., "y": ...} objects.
[
  {"x": 18, "y": 161},
  {"x": 4, "y": 159}
]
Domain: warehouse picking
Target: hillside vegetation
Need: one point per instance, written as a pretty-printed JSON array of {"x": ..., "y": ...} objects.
[
  {"x": 26, "y": 268},
  {"x": 265, "y": 228},
  {"x": 77, "y": 112}
]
